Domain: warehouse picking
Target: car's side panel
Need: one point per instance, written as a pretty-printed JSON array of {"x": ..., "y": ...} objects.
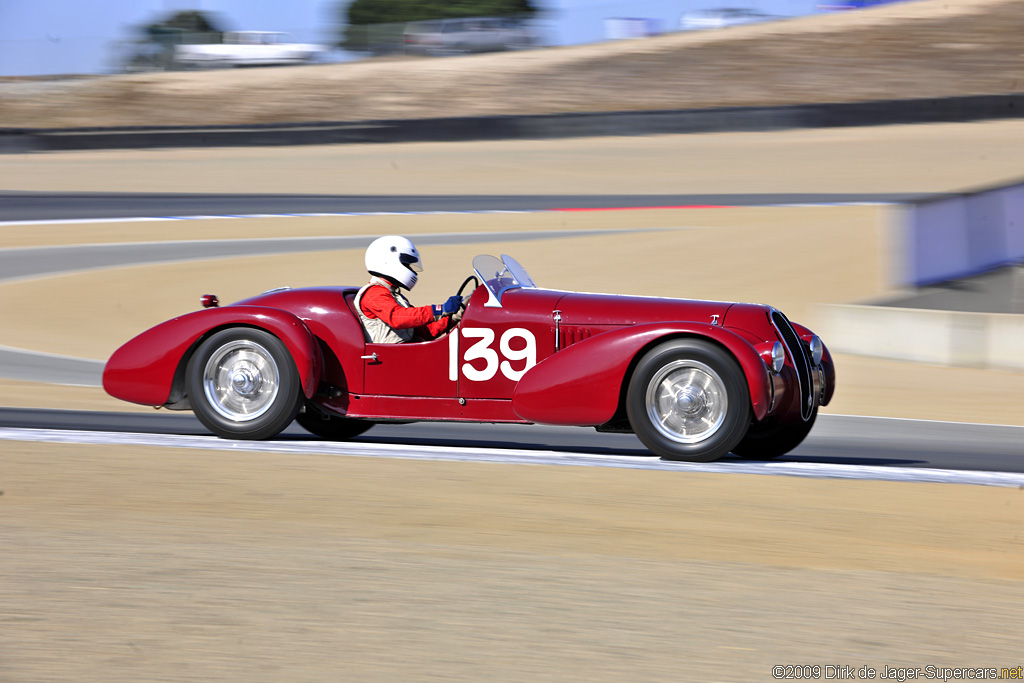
[
  {"x": 142, "y": 370},
  {"x": 581, "y": 385},
  {"x": 414, "y": 408},
  {"x": 412, "y": 369},
  {"x": 496, "y": 346}
]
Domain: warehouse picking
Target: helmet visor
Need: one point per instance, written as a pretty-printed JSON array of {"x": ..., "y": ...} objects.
[{"x": 411, "y": 261}]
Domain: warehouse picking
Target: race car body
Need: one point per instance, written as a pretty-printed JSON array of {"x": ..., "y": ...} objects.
[{"x": 693, "y": 379}]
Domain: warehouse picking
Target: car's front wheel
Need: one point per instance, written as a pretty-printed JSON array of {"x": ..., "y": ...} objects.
[
  {"x": 770, "y": 439},
  {"x": 243, "y": 384},
  {"x": 688, "y": 400}
]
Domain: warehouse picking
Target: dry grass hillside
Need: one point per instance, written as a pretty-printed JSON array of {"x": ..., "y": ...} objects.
[{"x": 929, "y": 48}]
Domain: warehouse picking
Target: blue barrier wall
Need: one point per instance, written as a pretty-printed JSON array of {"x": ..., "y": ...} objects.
[{"x": 963, "y": 235}]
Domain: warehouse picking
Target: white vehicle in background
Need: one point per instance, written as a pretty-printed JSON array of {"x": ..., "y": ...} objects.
[
  {"x": 720, "y": 18},
  {"x": 625, "y": 28},
  {"x": 474, "y": 34},
  {"x": 247, "y": 48}
]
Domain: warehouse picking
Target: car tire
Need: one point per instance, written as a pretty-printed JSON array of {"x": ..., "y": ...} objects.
[
  {"x": 242, "y": 384},
  {"x": 688, "y": 400},
  {"x": 332, "y": 427},
  {"x": 769, "y": 439}
]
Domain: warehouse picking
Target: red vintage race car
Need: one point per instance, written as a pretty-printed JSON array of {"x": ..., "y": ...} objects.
[{"x": 693, "y": 379}]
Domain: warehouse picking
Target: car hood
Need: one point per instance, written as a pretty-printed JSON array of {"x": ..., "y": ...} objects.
[{"x": 610, "y": 309}]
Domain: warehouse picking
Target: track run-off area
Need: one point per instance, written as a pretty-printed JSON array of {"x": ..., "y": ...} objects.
[
  {"x": 139, "y": 547},
  {"x": 842, "y": 447}
]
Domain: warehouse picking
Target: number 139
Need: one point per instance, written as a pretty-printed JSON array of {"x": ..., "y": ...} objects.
[{"x": 481, "y": 350}]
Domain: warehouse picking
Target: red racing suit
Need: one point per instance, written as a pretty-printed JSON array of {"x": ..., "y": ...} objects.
[{"x": 384, "y": 302}]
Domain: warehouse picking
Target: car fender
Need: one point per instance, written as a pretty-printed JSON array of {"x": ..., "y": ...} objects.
[
  {"x": 584, "y": 383},
  {"x": 143, "y": 370}
]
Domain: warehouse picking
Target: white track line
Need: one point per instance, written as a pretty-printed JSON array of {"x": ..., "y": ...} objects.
[
  {"x": 340, "y": 214},
  {"x": 939, "y": 422},
  {"x": 44, "y": 354},
  {"x": 454, "y": 212},
  {"x": 518, "y": 457}
]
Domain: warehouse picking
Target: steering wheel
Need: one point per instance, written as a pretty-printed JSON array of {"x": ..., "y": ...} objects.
[{"x": 476, "y": 283}]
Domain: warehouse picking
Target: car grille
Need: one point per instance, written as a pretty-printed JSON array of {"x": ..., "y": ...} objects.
[{"x": 800, "y": 361}]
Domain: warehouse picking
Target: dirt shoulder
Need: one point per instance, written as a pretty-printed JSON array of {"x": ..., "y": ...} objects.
[
  {"x": 952, "y": 157},
  {"x": 108, "y": 307},
  {"x": 163, "y": 564},
  {"x": 125, "y": 301},
  {"x": 931, "y": 48}
]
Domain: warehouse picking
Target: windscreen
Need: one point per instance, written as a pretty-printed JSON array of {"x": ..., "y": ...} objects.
[
  {"x": 518, "y": 272},
  {"x": 500, "y": 275}
]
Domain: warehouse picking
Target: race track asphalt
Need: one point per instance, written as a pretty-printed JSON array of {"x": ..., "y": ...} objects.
[
  {"x": 835, "y": 439},
  {"x": 34, "y": 262},
  {"x": 38, "y": 206}
]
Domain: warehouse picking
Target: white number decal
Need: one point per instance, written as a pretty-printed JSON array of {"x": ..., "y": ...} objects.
[
  {"x": 482, "y": 350},
  {"x": 453, "y": 355},
  {"x": 527, "y": 353}
]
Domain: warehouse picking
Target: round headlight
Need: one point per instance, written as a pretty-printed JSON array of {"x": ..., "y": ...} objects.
[
  {"x": 778, "y": 357},
  {"x": 817, "y": 349}
]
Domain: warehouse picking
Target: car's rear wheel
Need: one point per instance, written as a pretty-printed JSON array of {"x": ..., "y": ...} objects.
[
  {"x": 770, "y": 439},
  {"x": 243, "y": 384},
  {"x": 333, "y": 427},
  {"x": 688, "y": 400}
]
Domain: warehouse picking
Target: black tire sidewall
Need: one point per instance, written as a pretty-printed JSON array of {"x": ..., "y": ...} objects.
[
  {"x": 737, "y": 417},
  {"x": 774, "y": 440},
  {"x": 281, "y": 412}
]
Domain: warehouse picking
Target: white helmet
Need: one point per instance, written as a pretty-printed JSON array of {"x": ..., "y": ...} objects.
[{"x": 394, "y": 258}]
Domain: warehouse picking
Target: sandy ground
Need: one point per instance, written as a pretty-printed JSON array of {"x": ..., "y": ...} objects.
[
  {"x": 737, "y": 251},
  {"x": 127, "y": 565},
  {"x": 657, "y": 220},
  {"x": 924, "y": 158},
  {"x": 124, "y": 301},
  {"x": 922, "y": 49}
]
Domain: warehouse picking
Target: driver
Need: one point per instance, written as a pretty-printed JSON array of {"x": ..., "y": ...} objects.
[{"x": 386, "y": 314}]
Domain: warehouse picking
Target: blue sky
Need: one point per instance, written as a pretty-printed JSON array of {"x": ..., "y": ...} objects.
[{"x": 74, "y": 36}]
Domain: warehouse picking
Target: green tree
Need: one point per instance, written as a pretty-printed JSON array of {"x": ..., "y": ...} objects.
[
  {"x": 362, "y": 13},
  {"x": 153, "y": 48},
  {"x": 186, "y": 23}
]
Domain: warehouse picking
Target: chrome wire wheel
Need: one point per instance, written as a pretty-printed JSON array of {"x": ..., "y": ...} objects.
[
  {"x": 241, "y": 380},
  {"x": 687, "y": 401}
]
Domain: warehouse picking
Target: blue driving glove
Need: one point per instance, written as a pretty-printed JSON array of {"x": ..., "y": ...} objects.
[{"x": 449, "y": 307}]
